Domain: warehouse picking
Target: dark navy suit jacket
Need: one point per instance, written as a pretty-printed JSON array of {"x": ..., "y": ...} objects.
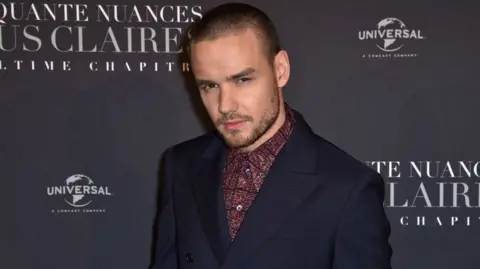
[{"x": 318, "y": 208}]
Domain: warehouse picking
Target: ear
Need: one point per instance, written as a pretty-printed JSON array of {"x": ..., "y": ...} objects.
[{"x": 282, "y": 68}]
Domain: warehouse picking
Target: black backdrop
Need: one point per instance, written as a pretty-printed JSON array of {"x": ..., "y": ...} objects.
[{"x": 70, "y": 119}]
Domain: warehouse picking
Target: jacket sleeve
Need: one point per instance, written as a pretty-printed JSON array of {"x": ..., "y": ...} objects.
[
  {"x": 165, "y": 251},
  {"x": 362, "y": 240}
]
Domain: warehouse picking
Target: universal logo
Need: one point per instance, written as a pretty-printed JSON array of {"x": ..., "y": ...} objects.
[
  {"x": 390, "y": 37},
  {"x": 78, "y": 192}
]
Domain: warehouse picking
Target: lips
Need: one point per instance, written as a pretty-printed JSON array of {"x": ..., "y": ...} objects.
[{"x": 232, "y": 125}]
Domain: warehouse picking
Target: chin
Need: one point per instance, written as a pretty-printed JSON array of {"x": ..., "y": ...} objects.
[
  {"x": 237, "y": 144},
  {"x": 237, "y": 141}
]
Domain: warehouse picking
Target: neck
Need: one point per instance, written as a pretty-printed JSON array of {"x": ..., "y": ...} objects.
[{"x": 271, "y": 132}]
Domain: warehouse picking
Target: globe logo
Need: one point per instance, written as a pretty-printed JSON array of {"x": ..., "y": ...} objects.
[
  {"x": 390, "y": 44},
  {"x": 390, "y": 34},
  {"x": 76, "y": 198},
  {"x": 78, "y": 190}
]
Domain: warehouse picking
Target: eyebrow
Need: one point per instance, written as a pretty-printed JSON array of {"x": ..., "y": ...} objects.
[{"x": 243, "y": 73}]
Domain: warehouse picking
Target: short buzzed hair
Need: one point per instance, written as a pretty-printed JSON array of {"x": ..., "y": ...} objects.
[{"x": 231, "y": 18}]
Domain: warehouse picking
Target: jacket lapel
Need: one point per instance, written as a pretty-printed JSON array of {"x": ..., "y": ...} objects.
[
  {"x": 291, "y": 179},
  {"x": 207, "y": 186}
]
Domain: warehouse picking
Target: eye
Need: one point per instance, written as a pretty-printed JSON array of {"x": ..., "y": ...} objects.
[
  {"x": 207, "y": 87},
  {"x": 243, "y": 80}
]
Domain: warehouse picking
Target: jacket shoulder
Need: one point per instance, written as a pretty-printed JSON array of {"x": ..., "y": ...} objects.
[
  {"x": 341, "y": 165},
  {"x": 191, "y": 148}
]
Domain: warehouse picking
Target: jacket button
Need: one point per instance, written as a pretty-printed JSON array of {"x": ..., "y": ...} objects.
[{"x": 189, "y": 257}]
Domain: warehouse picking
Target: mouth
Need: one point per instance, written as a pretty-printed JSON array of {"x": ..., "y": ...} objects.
[{"x": 232, "y": 125}]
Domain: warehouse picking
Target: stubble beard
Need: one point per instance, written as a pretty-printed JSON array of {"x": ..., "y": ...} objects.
[{"x": 234, "y": 139}]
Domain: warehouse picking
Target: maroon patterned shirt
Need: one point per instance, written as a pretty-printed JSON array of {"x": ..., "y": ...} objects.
[{"x": 244, "y": 173}]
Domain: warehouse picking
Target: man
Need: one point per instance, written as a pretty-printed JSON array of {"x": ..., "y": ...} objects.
[{"x": 263, "y": 191}]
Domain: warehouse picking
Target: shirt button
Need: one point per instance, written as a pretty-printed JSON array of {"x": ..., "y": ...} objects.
[
  {"x": 247, "y": 170},
  {"x": 239, "y": 207},
  {"x": 189, "y": 257}
]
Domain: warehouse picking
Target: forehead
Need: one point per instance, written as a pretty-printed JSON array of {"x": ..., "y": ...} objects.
[{"x": 228, "y": 54}]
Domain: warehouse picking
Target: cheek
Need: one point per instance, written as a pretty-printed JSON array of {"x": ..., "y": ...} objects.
[
  {"x": 210, "y": 103},
  {"x": 258, "y": 97}
]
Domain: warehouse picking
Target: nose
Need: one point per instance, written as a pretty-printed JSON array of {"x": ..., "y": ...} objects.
[{"x": 227, "y": 101}]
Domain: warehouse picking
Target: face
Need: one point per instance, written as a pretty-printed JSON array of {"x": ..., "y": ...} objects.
[{"x": 239, "y": 88}]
